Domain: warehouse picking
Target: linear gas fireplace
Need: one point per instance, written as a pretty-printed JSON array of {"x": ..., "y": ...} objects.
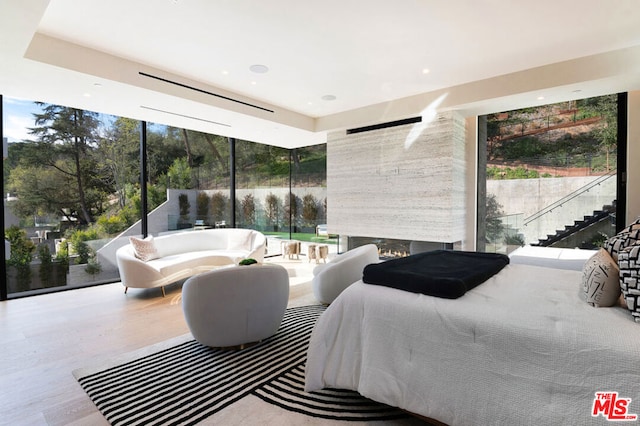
[{"x": 390, "y": 248}]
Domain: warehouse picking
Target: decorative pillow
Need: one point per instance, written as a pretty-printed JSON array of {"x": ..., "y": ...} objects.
[
  {"x": 629, "y": 263},
  {"x": 600, "y": 277},
  {"x": 144, "y": 249},
  {"x": 626, "y": 238}
]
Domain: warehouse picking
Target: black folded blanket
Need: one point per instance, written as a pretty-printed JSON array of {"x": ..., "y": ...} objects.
[{"x": 441, "y": 273}]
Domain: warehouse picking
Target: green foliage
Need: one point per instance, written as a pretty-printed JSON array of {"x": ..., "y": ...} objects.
[
  {"x": 494, "y": 212},
  {"x": 498, "y": 173},
  {"x": 93, "y": 265},
  {"x": 272, "y": 203},
  {"x": 587, "y": 145},
  {"x": 202, "y": 205},
  {"x": 248, "y": 261},
  {"x": 46, "y": 266},
  {"x": 290, "y": 206},
  {"x": 179, "y": 174},
  {"x": 514, "y": 240},
  {"x": 22, "y": 248},
  {"x": 309, "y": 209},
  {"x": 113, "y": 224},
  {"x": 79, "y": 238},
  {"x": 62, "y": 254},
  {"x": 184, "y": 205},
  {"x": 218, "y": 205},
  {"x": 248, "y": 206}
]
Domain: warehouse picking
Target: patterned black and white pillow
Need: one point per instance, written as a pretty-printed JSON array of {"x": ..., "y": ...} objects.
[
  {"x": 600, "y": 277},
  {"x": 629, "y": 264},
  {"x": 627, "y": 237}
]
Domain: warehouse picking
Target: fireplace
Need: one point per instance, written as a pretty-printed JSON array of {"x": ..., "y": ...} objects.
[{"x": 390, "y": 248}]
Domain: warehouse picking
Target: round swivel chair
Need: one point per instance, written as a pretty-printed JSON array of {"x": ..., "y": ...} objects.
[{"x": 235, "y": 306}]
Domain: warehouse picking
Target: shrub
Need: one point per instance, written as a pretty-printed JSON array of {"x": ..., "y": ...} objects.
[
  {"x": 218, "y": 205},
  {"x": 113, "y": 224},
  {"x": 202, "y": 205},
  {"x": 79, "y": 244},
  {"x": 184, "y": 205},
  {"x": 309, "y": 209},
  {"x": 248, "y": 209},
  {"x": 272, "y": 204}
]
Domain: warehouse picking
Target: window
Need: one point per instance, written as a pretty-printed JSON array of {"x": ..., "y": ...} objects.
[{"x": 549, "y": 175}]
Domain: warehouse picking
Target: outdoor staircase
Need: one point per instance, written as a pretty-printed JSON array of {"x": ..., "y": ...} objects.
[{"x": 578, "y": 225}]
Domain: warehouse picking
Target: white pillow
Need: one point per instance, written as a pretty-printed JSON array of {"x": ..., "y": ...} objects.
[
  {"x": 600, "y": 277},
  {"x": 144, "y": 249}
]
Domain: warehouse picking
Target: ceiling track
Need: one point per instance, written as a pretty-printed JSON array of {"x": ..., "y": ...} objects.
[{"x": 206, "y": 92}]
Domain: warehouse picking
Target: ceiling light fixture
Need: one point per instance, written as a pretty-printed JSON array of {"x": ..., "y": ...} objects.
[
  {"x": 259, "y": 69},
  {"x": 540, "y": 98},
  {"x": 425, "y": 70},
  {"x": 328, "y": 98}
]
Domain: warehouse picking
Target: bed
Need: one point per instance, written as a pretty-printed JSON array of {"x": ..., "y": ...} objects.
[{"x": 521, "y": 348}]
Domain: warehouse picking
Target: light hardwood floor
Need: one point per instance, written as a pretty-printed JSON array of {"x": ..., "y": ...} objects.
[{"x": 44, "y": 338}]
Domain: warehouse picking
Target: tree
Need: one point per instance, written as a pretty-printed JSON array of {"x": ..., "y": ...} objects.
[
  {"x": 179, "y": 174},
  {"x": 21, "y": 256},
  {"x": 607, "y": 132},
  {"x": 272, "y": 210},
  {"x": 494, "y": 227},
  {"x": 119, "y": 156},
  {"x": 309, "y": 209},
  {"x": 42, "y": 190},
  {"x": 248, "y": 209},
  {"x": 218, "y": 205},
  {"x": 291, "y": 202},
  {"x": 202, "y": 206},
  {"x": 68, "y": 137}
]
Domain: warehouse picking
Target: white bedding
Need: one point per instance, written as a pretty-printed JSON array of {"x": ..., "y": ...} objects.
[{"x": 522, "y": 348}]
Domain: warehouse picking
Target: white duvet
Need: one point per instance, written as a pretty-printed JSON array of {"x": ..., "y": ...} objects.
[{"x": 522, "y": 348}]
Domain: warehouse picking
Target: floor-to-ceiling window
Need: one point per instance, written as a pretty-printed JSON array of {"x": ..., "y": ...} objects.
[
  {"x": 73, "y": 194},
  {"x": 549, "y": 175}
]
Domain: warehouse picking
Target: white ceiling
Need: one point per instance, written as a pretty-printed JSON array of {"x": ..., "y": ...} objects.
[{"x": 482, "y": 55}]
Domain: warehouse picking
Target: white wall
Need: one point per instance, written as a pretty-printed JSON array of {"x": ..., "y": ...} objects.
[{"x": 403, "y": 182}]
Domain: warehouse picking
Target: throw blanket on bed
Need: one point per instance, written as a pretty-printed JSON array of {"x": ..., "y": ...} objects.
[{"x": 441, "y": 273}]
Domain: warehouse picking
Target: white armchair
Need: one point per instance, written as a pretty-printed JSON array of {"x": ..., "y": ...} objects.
[
  {"x": 236, "y": 305},
  {"x": 345, "y": 269}
]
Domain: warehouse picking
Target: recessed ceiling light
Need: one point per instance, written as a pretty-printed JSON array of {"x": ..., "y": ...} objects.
[
  {"x": 328, "y": 98},
  {"x": 259, "y": 69},
  {"x": 540, "y": 98},
  {"x": 253, "y": 83},
  {"x": 87, "y": 95},
  {"x": 225, "y": 72},
  {"x": 425, "y": 70}
]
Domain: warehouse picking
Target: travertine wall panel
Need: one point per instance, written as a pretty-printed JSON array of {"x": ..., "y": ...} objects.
[{"x": 405, "y": 182}]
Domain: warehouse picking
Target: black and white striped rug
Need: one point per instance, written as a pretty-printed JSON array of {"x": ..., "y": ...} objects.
[{"x": 187, "y": 383}]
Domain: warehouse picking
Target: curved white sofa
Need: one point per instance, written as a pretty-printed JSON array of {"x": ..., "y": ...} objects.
[
  {"x": 234, "y": 306},
  {"x": 340, "y": 272},
  {"x": 184, "y": 254}
]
